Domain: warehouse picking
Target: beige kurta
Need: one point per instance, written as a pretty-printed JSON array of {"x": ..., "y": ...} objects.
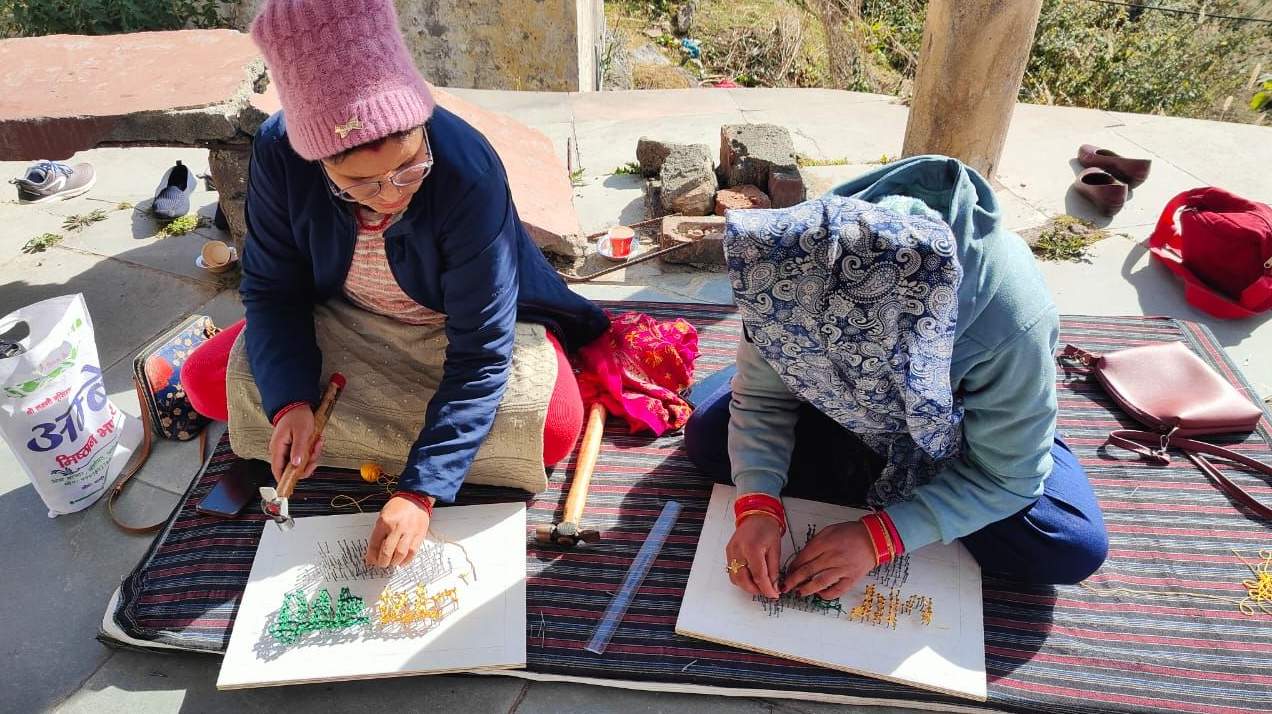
[{"x": 393, "y": 370}]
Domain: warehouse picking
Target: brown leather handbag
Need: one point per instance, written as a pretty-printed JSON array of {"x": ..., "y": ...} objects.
[{"x": 1172, "y": 392}]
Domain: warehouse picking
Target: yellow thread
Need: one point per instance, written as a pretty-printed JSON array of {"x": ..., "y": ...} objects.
[
  {"x": 371, "y": 472},
  {"x": 397, "y": 607},
  {"x": 1258, "y": 590},
  {"x": 880, "y": 611},
  {"x": 389, "y": 483}
]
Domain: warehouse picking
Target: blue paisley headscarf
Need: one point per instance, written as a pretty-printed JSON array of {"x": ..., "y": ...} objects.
[{"x": 855, "y": 307}]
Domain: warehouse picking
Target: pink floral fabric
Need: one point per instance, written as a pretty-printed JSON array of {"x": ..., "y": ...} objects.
[{"x": 640, "y": 368}]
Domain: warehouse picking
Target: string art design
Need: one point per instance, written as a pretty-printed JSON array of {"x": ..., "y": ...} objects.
[
  {"x": 298, "y": 617},
  {"x": 773, "y": 607},
  {"x": 874, "y": 609},
  {"x": 882, "y": 611},
  {"x": 1258, "y": 597},
  {"x": 415, "y": 607}
]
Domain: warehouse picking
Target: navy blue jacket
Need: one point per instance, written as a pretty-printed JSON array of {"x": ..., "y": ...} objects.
[{"x": 459, "y": 249}]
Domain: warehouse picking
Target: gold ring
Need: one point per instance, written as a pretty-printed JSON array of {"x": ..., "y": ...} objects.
[{"x": 734, "y": 566}]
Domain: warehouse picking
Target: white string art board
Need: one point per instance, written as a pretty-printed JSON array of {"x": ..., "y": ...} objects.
[
  {"x": 917, "y": 621},
  {"x": 464, "y": 594}
]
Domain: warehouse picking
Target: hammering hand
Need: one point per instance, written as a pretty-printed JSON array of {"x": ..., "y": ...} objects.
[
  {"x": 302, "y": 454},
  {"x": 286, "y": 445}
]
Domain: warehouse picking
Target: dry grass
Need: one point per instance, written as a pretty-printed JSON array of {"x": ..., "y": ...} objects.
[
  {"x": 775, "y": 45},
  {"x": 768, "y": 43},
  {"x": 81, "y": 221},
  {"x": 651, "y": 76},
  {"x": 1067, "y": 238}
]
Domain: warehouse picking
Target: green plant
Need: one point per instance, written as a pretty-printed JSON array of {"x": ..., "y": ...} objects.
[
  {"x": 123, "y": 206},
  {"x": 1067, "y": 238},
  {"x": 104, "y": 17},
  {"x": 79, "y": 222},
  {"x": 180, "y": 226},
  {"x": 1262, "y": 99},
  {"x": 1105, "y": 56},
  {"x": 803, "y": 160},
  {"x": 576, "y": 177},
  {"x": 629, "y": 168},
  {"x": 41, "y": 243},
  {"x": 1094, "y": 55}
]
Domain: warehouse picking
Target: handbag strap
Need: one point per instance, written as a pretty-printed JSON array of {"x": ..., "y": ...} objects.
[
  {"x": 1142, "y": 443},
  {"x": 138, "y": 459}
]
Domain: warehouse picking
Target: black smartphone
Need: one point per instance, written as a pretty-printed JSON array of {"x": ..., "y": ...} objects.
[{"x": 238, "y": 487}]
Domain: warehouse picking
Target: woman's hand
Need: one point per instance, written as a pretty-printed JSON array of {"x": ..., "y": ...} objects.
[
  {"x": 398, "y": 533},
  {"x": 831, "y": 562},
  {"x": 757, "y": 541},
  {"x": 287, "y": 443}
]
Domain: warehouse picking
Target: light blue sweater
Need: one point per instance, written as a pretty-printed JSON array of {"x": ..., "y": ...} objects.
[{"x": 1002, "y": 367}]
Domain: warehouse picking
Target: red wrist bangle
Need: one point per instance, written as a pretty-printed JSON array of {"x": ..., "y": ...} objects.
[
  {"x": 763, "y": 502},
  {"x": 418, "y": 499},
  {"x": 751, "y": 503},
  {"x": 781, "y": 523},
  {"x": 898, "y": 546},
  {"x": 279, "y": 414},
  {"x": 878, "y": 538}
]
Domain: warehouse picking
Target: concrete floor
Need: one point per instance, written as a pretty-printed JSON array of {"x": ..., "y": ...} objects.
[{"x": 59, "y": 573}]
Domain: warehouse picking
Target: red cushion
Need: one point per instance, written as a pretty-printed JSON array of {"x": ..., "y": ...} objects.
[{"x": 203, "y": 374}]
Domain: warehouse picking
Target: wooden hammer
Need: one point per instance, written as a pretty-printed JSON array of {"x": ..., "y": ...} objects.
[
  {"x": 567, "y": 532},
  {"x": 274, "y": 498}
]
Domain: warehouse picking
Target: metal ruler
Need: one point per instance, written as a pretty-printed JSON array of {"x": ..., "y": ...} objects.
[{"x": 635, "y": 576}]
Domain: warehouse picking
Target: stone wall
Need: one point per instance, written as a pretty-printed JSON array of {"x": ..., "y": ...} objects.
[{"x": 548, "y": 45}]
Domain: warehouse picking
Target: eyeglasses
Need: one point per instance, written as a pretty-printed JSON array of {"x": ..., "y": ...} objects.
[{"x": 403, "y": 178}]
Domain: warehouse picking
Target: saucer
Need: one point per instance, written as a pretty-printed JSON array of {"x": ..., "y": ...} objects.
[
  {"x": 603, "y": 250},
  {"x": 198, "y": 262}
]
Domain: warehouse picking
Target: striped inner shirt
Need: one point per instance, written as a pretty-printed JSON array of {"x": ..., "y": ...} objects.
[{"x": 370, "y": 284}]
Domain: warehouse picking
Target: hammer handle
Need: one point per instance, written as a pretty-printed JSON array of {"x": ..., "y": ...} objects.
[
  {"x": 588, "y": 453},
  {"x": 292, "y": 472}
]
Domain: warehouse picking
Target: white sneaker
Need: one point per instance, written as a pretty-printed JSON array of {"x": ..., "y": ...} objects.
[{"x": 54, "y": 181}]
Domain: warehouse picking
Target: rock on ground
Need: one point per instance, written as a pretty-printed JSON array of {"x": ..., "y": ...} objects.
[
  {"x": 705, "y": 233},
  {"x": 749, "y": 152},
  {"x": 688, "y": 181},
  {"x": 744, "y": 196},
  {"x": 651, "y": 153},
  {"x": 786, "y": 188}
]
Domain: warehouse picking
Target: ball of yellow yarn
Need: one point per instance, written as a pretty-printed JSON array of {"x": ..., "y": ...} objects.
[{"x": 371, "y": 472}]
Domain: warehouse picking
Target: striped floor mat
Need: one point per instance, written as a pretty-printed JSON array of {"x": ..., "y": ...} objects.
[{"x": 1146, "y": 633}]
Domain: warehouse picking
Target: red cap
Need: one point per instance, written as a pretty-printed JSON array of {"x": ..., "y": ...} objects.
[{"x": 338, "y": 380}]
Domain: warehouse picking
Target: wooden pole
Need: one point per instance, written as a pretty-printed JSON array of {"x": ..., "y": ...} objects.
[{"x": 973, "y": 59}]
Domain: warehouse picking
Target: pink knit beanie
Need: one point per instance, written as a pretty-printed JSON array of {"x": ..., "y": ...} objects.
[{"x": 343, "y": 72}]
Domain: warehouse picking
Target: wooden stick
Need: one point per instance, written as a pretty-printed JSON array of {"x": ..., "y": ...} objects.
[
  {"x": 588, "y": 453},
  {"x": 292, "y": 472}
]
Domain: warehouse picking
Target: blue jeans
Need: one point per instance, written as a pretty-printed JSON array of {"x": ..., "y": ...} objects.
[{"x": 1060, "y": 538}]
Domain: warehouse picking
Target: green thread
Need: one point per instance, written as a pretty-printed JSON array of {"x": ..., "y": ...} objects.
[
  {"x": 297, "y": 617},
  {"x": 322, "y": 616},
  {"x": 350, "y": 610},
  {"x": 289, "y": 625}
]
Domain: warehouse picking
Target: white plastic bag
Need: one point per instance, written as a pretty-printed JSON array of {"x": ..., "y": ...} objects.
[{"x": 54, "y": 412}]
